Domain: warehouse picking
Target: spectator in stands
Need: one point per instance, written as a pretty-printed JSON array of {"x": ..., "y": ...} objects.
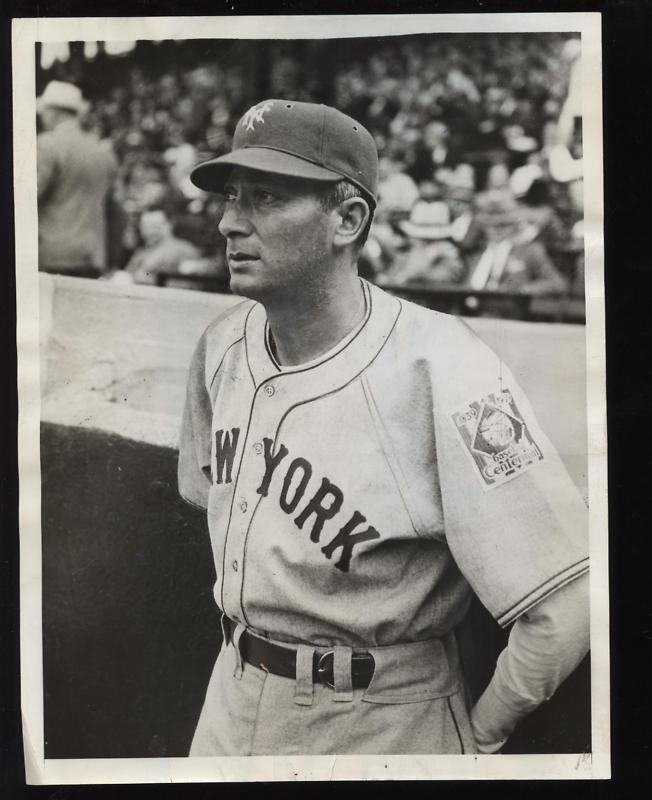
[
  {"x": 459, "y": 193},
  {"x": 510, "y": 262},
  {"x": 162, "y": 253},
  {"x": 75, "y": 172},
  {"x": 437, "y": 106},
  {"x": 383, "y": 244},
  {"x": 143, "y": 184},
  {"x": 432, "y": 255},
  {"x": 498, "y": 176},
  {"x": 432, "y": 150},
  {"x": 396, "y": 189},
  {"x": 181, "y": 157},
  {"x": 147, "y": 185},
  {"x": 540, "y": 221},
  {"x": 567, "y": 169}
]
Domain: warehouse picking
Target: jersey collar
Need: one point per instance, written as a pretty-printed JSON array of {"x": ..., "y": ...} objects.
[{"x": 337, "y": 367}]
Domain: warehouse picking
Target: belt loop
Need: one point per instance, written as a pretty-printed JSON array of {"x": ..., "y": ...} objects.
[
  {"x": 342, "y": 680},
  {"x": 303, "y": 686},
  {"x": 226, "y": 625},
  {"x": 237, "y": 635}
]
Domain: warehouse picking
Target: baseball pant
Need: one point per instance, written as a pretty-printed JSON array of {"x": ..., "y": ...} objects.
[{"x": 414, "y": 704}]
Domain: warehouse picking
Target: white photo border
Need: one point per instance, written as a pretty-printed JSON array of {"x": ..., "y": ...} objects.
[{"x": 26, "y": 32}]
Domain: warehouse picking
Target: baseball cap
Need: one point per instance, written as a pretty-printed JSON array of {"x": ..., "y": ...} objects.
[{"x": 300, "y": 140}]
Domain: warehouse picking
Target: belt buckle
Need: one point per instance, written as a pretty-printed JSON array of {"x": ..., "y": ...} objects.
[{"x": 322, "y": 667}]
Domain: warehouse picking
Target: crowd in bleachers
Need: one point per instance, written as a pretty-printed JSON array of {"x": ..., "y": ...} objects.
[{"x": 478, "y": 138}]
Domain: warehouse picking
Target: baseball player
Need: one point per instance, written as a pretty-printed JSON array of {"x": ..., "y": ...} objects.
[{"x": 366, "y": 465}]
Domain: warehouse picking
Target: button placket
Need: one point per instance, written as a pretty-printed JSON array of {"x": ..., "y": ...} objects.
[
  {"x": 236, "y": 546},
  {"x": 247, "y": 481},
  {"x": 236, "y": 536}
]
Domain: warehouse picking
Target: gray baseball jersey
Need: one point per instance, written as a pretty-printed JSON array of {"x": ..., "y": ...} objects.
[{"x": 358, "y": 500}]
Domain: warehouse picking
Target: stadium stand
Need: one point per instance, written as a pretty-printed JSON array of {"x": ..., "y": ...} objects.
[{"x": 454, "y": 116}]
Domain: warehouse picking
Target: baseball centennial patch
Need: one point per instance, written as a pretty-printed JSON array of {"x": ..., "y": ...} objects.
[{"x": 497, "y": 438}]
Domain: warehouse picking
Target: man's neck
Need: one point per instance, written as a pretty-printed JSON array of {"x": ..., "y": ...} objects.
[{"x": 313, "y": 322}]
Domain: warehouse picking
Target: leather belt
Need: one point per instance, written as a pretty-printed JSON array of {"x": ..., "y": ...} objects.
[{"x": 280, "y": 660}]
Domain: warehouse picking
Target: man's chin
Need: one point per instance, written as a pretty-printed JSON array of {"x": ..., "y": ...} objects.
[{"x": 245, "y": 285}]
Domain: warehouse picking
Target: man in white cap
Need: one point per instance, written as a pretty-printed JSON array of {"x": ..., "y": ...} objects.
[
  {"x": 432, "y": 256},
  {"x": 75, "y": 174}
]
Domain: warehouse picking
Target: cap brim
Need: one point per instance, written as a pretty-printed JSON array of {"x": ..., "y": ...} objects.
[{"x": 211, "y": 175}]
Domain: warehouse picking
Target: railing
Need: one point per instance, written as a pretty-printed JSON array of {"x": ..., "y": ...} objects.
[
  {"x": 452, "y": 299},
  {"x": 548, "y": 306}
]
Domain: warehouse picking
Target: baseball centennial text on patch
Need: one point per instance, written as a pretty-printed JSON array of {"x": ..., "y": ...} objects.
[{"x": 497, "y": 438}]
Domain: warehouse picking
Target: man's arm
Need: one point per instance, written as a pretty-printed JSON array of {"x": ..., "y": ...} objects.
[
  {"x": 520, "y": 538},
  {"x": 545, "y": 645},
  {"x": 193, "y": 470}
]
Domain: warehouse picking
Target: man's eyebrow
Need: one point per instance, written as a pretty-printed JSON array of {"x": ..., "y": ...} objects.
[
  {"x": 267, "y": 182},
  {"x": 273, "y": 183},
  {"x": 253, "y": 183}
]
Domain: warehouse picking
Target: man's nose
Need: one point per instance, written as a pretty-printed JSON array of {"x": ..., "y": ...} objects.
[{"x": 234, "y": 220}]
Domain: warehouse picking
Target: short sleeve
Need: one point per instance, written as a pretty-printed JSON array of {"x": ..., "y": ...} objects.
[
  {"x": 195, "y": 439},
  {"x": 514, "y": 520}
]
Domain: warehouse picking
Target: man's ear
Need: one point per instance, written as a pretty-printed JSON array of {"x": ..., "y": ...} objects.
[{"x": 353, "y": 215}]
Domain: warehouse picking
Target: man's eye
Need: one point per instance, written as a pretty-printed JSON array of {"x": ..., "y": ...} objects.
[
  {"x": 228, "y": 196},
  {"x": 263, "y": 196}
]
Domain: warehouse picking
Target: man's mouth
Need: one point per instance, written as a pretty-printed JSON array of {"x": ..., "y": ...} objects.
[{"x": 240, "y": 256}]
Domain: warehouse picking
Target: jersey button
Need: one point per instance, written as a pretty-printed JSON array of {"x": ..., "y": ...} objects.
[
  {"x": 269, "y": 390},
  {"x": 258, "y": 448},
  {"x": 243, "y": 506},
  {"x": 234, "y": 564}
]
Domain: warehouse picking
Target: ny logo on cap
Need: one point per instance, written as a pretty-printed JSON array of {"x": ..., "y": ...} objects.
[{"x": 255, "y": 114}]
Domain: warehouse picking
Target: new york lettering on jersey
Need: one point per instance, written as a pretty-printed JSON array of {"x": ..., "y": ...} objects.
[{"x": 314, "y": 508}]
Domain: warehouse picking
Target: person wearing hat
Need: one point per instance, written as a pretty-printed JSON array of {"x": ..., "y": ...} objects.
[
  {"x": 75, "y": 173},
  {"x": 431, "y": 256},
  {"x": 365, "y": 465},
  {"x": 511, "y": 261}
]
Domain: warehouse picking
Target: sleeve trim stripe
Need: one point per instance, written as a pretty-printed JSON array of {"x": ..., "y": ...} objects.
[{"x": 543, "y": 590}]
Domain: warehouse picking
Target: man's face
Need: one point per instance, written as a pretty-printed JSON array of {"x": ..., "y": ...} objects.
[
  {"x": 279, "y": 238},
  {"x": 154, "y": 227}
]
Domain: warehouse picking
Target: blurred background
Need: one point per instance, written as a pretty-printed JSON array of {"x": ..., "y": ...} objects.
[
  {"x": 480, "y": 142},
  {"x": 480, "y": 213}
]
